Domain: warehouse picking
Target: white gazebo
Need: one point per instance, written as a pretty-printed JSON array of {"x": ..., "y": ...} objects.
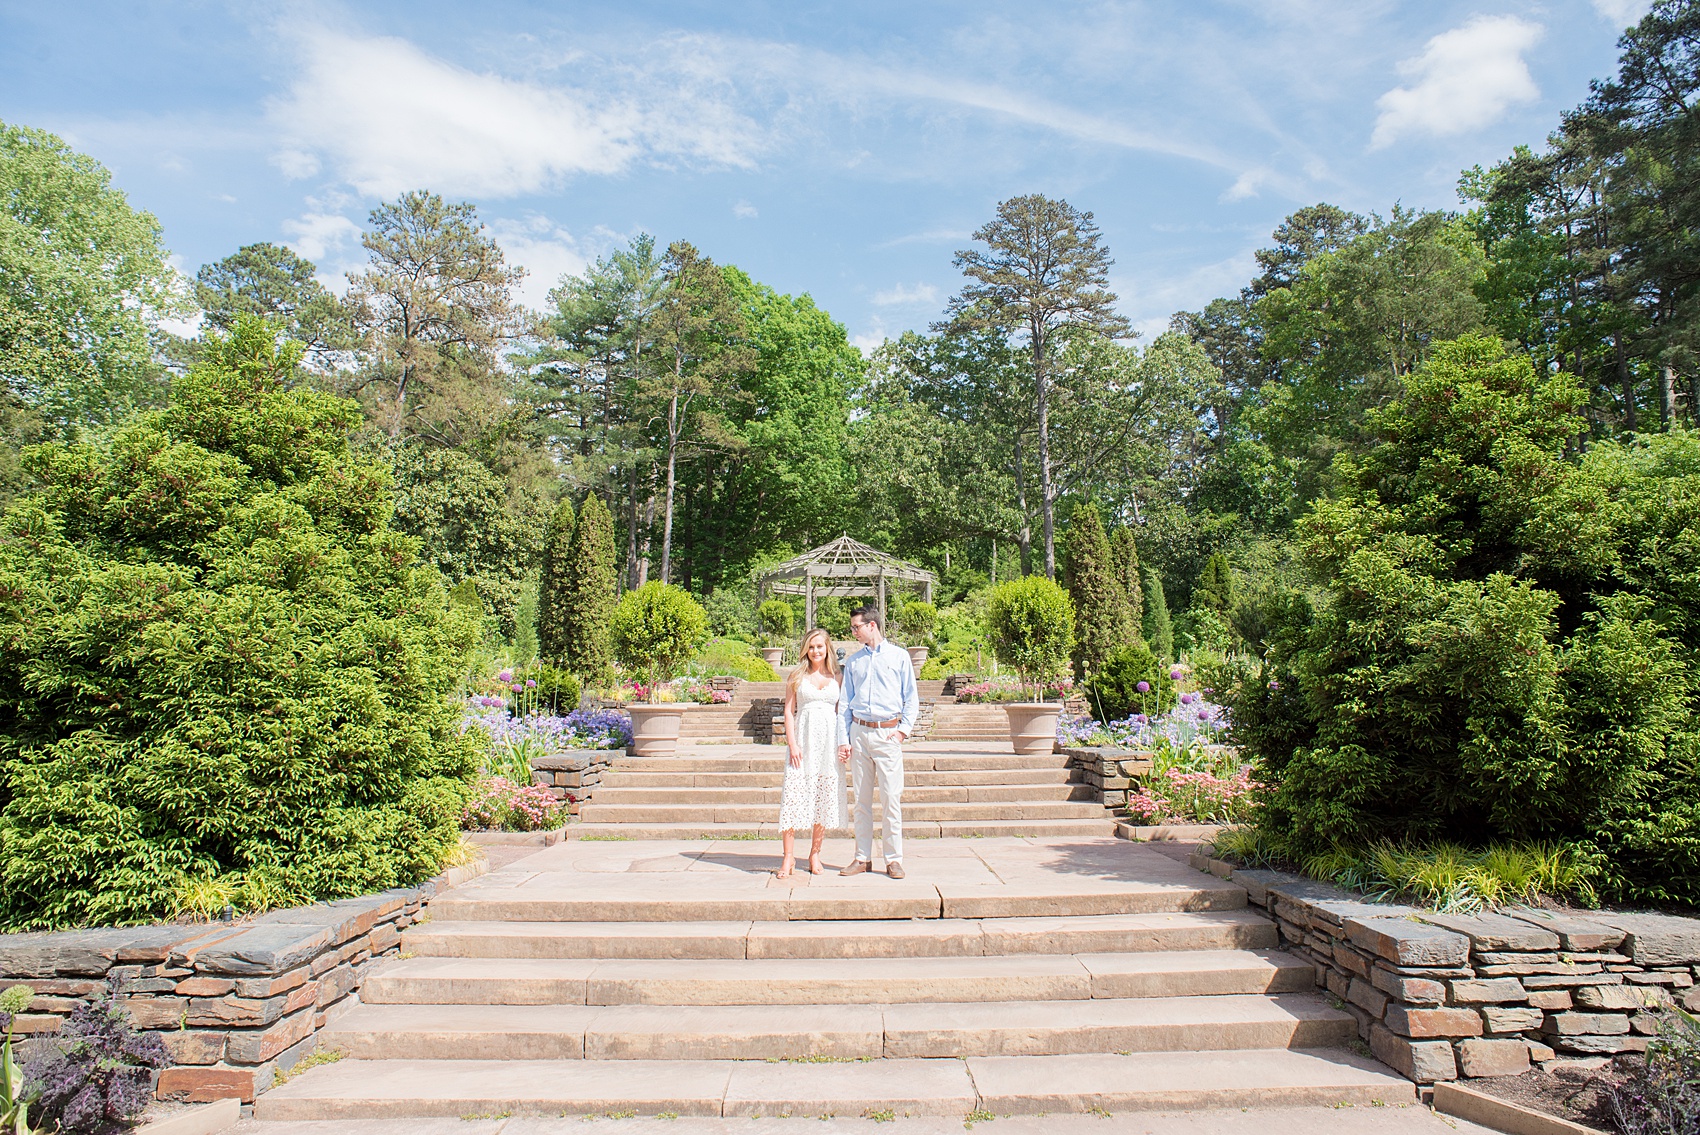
[{"x": 844, "y": 567}]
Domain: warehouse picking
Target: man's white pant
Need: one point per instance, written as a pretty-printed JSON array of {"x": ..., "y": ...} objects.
[{"x": 877, "y": 755}]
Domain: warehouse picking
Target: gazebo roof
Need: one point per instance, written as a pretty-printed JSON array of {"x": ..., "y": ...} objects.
[{"x": 843, "y": 561}]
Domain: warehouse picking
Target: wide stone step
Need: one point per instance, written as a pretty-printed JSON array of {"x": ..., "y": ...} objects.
[
  {"x": 623, "y": 778},
  {"x": 699, "y": 761},
  {"x": 1004, "y": 1085},
  {"x": 843, "y": 1032},
  {"x": 597, "y": 812},
  {"x": 912, "y": 794},
  {"x": 911, "y": 830},
  {"x": 834, "y": 981},
  {"x": 906, "y": 938}
]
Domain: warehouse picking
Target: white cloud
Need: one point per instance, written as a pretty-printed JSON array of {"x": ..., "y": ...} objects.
[
  {"x": 871, "y": 340},
  {"x": 546, "y": 252},
  {"x": 314, "y": 234},
  {"x": 1622, "y": 13},
  {"x": 1249, "y": 184},
  {"x": 387, "y": 117},
  {"x": 745, "y": 211},
  {"x": 1465, "y": 79},
  {"x": 907, "y": 296}
]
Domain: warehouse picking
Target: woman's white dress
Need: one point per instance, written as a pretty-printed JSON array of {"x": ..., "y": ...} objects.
[{"x": 814, "y": 790}]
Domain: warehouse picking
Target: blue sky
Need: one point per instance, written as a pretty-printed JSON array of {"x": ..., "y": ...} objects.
[{"x": 843, "y": 150}]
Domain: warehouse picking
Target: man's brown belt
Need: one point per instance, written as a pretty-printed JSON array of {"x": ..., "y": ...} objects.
[{"x": 878, "y": 724}]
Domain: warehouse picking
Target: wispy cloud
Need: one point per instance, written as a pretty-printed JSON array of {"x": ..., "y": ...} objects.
[
  {"x": 1622, "y": 13},
  {"x": 745, "y": 211},
  {"x": 316, "y": 234},
  {"x": 1465, "y": 79},
  {"x": 931, "y": 236},
  {"x": 905, "y": 295}
]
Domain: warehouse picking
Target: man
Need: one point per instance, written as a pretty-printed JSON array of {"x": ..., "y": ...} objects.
[{"x": 877, "y": 715}]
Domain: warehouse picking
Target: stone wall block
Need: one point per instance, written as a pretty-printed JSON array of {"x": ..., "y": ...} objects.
[
  {"x": 1366, "y": 996},
  {"x": 238, "y": 1011},
  {"x": 1495, "y": 931},
  {"x": 336, "y": 985},
  {"x": 1599, "y": 1045},
  {"x": 1573, "y": 933},
  {"x": 260, "y": 1045},
  {"x": 1488, "y": 991},
  {"x": 156, "y": 1012},
  {"x": 260, "y": 987},
  {"x": 1493, "y": 1058},
  {"x": 1417, "y": 990},
  {"x": 383, "y": 939},
  {"x": 36, "y": 1023},
  {"x": 1423, "y": 1061},
  {"x": 1350, "y": 960},
  {"x": 1408, "y": 943},
  {"x": 204, "y": 987},
  {"x": 203, "y": 1085},
  {"x": 1586, "y": 1024},
  {"x": 1616, "y": 997},
  {"x": 1552, "y": 1000},
  {"x": 1442, "y": 1022},
  {"x": 1570, "y": 981},
  {"x": 1339, "y": 984},
  {"x": 194, "y": 1046},
  {"x": 1501, "y": 1019},
  {"x": 1657, "y": 939}
]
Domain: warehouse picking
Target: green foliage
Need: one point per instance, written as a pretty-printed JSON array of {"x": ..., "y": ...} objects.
[
  {"x": 554, "y": 588},
  {"x": 1503, "y": 648},
  {"x": 272, "y": 282},
  {"x": 1031, "y": 625},
  {"x": 729, "y": 612},
  {"x": 1661, "y": 1095},
  {"x": 218, "y": 660},
  {"x": 16, "y": 1094},
  {"x": 557, "y": 689},
  {"x": 914, "y": 621},
  {"x": 777, "y": 620},
  {"x": 470, "y": 522},
  {"x": 1104, "y": 618},
  {"x": 591, "y": 588},
  {"x": 731, "y": 657},
  {"x": 1159, "y": 631},
  {"x": 1124, "y": 562},
  {"x": 1113, "y": 689},
  {"x": 832, "y": 616},
  {"x": 656, "y": 629},
  {"x": 1215, "y": 587},
  {"x": 83, "y": 284}
]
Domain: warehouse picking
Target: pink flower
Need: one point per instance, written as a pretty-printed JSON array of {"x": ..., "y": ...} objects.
[{"x": 530, "y": 684}]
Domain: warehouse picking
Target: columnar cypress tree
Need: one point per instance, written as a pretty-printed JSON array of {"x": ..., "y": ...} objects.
[
  {"x": 1103, "y": 619},
  {"x": 1125, "y": 560},
  {"x": 590, "y": 591},
  {"x": 1159, "y": 632},
  {"x": 1215, "y": 587},
  {"x": 554, "y": 599}
]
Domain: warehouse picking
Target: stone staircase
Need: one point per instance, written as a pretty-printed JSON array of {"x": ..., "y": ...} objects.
[
  {"x": 985, "y": 724},
  {"x": 733, "y": 791},
  {"x": 671, "y": 979}
]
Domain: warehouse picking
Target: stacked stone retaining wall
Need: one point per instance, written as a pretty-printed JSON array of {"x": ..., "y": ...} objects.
[
  {"x": 235, "y": 1003},
  {"x": 1111, "y": 772},
  {"x": 1440, "y": 997},
  {"x": 574, "y": 775}
]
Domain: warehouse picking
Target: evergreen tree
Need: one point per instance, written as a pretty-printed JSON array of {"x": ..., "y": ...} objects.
[
  {"x": 554, "y": 590},
  {"x": 1124, "y": 561},
  {"x": 1159, "y": 632},
  {"x": 1103, "y": 619},
  {"x": 1215, "y": 587},
  {"x": 590, "y": 591}
]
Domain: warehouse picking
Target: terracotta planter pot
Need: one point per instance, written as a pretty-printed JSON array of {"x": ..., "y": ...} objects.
[
  {"x": 1033, "y": 725},
  {"x": 773, "y": 655},
  {"x": 655, "y": 728},
  {"x": 918, "y": 656}
]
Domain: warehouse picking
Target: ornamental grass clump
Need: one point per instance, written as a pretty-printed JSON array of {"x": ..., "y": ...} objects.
[
  {"x": 99, "y": 1076},
  {"x": 218, "y": 661}
]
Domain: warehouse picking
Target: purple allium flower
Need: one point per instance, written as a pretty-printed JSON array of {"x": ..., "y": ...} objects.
[
  {"x": 517, "y": 687},
  {"x": 530, "y": 684},
  {"x": 1143, "y": 687},
  {"x": 1186, "y": 699},
  {"x": 505, "y": 676},
  {"x": 1174, "y": 674}
]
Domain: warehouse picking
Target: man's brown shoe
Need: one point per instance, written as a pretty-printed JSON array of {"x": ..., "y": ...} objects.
[
  {"x": 857, "y": 867},
  {"x": 895, "y": 870}
]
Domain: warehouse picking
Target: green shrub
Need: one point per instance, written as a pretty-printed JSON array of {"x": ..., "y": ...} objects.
[
  {"x": 915, "y": 621},
  {"x": 1103, "y": 616},
  {"x": 778, "y": 620},
  {"x": 592, "y": 583},
  {"x": 217, "y": 660},
  {"x": 1159, "y": 630},
  {"x": 655, "y": 631},
  {"x": 730, "y": 613},
  {"x": 557, "y": 689},
  {"x": 554, "y": 588},
  {"x": 1504, "y": 641},
  {"x": 1031, "y": 623},
  {"x": 1114, "y": 693},
  {"x": 732, "y": 658}
]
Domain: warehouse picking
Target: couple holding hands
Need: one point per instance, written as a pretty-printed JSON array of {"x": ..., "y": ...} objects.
[{"x": 860, "y": 718}]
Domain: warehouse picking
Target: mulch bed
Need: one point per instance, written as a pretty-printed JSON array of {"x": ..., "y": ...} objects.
[{"x": 1570, "y": 1091}]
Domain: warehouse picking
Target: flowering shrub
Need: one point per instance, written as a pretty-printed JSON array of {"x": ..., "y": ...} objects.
[
  {"x": 1199, "y": 796},
  {"x": 998, "y": 690},
  {"x": 1194, "y": 720},
  {"x": 498, "y": 804},
  {"x": 100, "y": 1076}
]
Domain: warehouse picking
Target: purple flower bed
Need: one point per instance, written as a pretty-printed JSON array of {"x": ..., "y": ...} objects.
[
  {"x": 1194, "y": 719},
  {"x": 580, "y": 729}
]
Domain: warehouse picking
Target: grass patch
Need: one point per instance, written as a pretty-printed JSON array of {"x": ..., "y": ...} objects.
[
  {"x": 311, "y": 1060},
  {"x": 811, "y": 1059},
  {"x": 884, "y": 1115},
  {"x": 596, "y": 836},
  {"x": 739, "y": 835}
]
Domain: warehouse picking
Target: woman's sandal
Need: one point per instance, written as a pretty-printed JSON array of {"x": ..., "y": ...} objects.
[
  {"x": 784, "y": 871},
  {"x": 814, "y": 865}
]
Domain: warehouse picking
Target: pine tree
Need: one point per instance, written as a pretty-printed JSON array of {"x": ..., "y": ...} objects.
[
  {"x": 1103, "y": 619},
  {"x": 1215, "y": 587},
  {"x": 1125, "y": 559},
  {"x": 554, "y": 601},
  {"x": 1159, "y": 632},
  {"x": 591, "y": 591}
]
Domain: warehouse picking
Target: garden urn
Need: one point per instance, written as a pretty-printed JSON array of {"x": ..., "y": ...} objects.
[
  {"x": 1033, "y": 725},
  {"x": 918, "y": 656},
  {"x": 655, "y": 727},
  {"x": 773, "y": 655}
]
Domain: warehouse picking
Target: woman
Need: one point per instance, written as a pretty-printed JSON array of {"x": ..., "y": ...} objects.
[{"x": 813, "y": 795}]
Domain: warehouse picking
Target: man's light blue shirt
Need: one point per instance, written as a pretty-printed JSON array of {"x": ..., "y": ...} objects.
[{"x": 879, "y": 684}]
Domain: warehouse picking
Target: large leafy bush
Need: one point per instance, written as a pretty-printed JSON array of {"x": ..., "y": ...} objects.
[
  {"x": 655, "y": 631},
  {"x": 1031, "y": 624},
  {"x": 1506, "y": 646},
  {"x": 219, "y": 663}
]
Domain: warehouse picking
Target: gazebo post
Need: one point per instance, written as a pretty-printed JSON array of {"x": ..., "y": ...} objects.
[
  {"x": 808, "y": 602},
  {"x": 884, "y": 626}
]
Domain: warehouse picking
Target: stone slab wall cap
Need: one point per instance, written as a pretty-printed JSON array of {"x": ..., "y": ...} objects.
[
  {"x": 1657, "y": 939},
  {"x": 1577, "y": 934},
  {"x": 1334, "y": 912},
  {"x": 1302, "y": 890},
  {"x": 206, "y": 1119},
  {"x": 1257, "y": 882},
  {"x": 1408, "y": 943},
  {"x": 1495, "y": 931},
  {"x": 265, "y": 949},
  {"x": 1502, "y": 1115}
]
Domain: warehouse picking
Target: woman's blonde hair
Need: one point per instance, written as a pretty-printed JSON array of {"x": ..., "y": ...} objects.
[{"x": 802, "y": 668}]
